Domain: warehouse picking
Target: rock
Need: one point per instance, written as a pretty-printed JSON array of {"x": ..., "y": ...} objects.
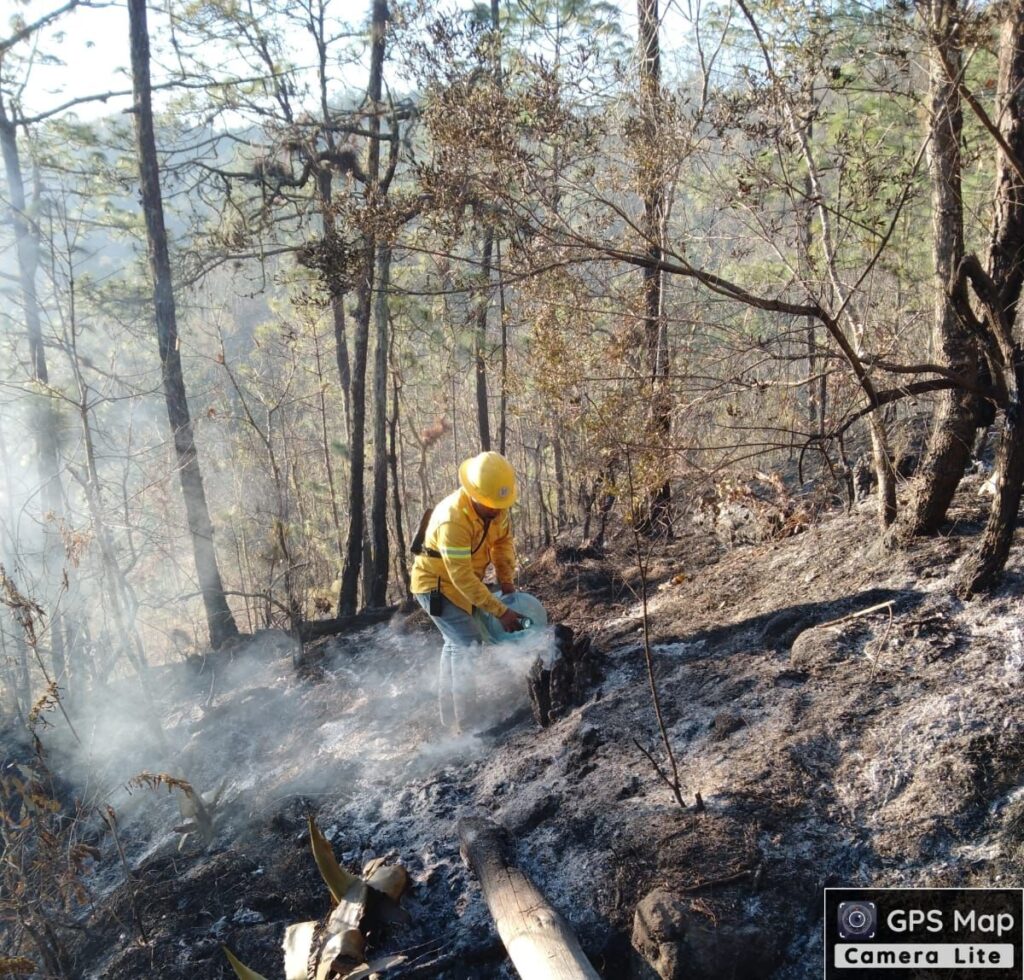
[
  {"x": 779, "y": 632},
  {"x": 630, "y": 788},
  {"x": 679, "y": 942},
  {"x": 725, "y": 723},
  {"x": 815, "y": 650},
  {"x": 748, "y": 510},
  {"x": 657, "y": 929},
  {"x": 790, "y": 678},
  {"x": 247, "y": 917},
  {"x": 219, "y": 929}
]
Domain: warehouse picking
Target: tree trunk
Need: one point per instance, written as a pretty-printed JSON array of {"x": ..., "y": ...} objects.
[
  {"x": 652, "y": 188},
  {"x": 544, "y": 529},
  {"x": 1006, "y": 272},
  {"x": 816, "y": 393},
  {"x": 218, "y": 616},
  {"x": 45, "y": 423},
  {"x": 1006, "y": 251},
  {"x": 23, "y": 683},
  {"x": 315, "y": 628},
  {"x": 118, "y": 593},
  {"x": 483, "y": 303},
  {"x": 326, "y": 444},
  {"x": 349, "y": 596},
  {"x": 341, "y": 354},
  {"x": 503, "y": 400},
  {"x": 984, "y": 567},
  {"x": 503, "y": 395},
  {"x": 561, "y": 516},
  {"x": 127, "y": 634},
  {"x": 379, "y": 516},
  {"x": 949, "y": 450},
  {"x": 337, "y": 294},
  {"x": 396, "y": 490}
]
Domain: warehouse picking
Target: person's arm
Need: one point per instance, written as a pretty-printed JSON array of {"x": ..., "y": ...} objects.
[
  {"x": 456, "y": 547},
  {"x": 503, "y": 556}
]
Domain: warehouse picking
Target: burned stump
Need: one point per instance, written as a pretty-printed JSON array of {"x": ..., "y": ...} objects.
[{"x": 564, "y": 685}]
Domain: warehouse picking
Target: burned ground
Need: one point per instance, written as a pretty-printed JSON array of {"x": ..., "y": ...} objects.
[{"x": 843, "y": 717}]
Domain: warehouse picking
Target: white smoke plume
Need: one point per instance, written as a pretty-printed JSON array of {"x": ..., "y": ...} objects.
[{"x": 367, "y": 720}]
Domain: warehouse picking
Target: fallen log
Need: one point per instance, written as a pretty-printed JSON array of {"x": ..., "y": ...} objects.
[
  {"x": 313, "y": 629},
  {"x": 540, "y": 943}
]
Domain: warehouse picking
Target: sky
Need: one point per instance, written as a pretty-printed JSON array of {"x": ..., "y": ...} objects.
[{"x": 90, "y": 49}]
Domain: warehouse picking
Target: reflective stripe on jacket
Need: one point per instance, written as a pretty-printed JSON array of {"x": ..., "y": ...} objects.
[{"x": 456, "y": 532}]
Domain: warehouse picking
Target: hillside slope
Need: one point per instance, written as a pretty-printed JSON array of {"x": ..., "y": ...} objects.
[{"x": 828, "y": 748}]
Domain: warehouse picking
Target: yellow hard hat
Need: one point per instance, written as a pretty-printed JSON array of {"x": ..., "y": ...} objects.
[{"x": 489, "y": 480}]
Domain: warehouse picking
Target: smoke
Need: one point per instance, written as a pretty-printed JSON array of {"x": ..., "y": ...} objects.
[
  {"x": 367, "y": 721},
  {"x": 395, "y": 719}
]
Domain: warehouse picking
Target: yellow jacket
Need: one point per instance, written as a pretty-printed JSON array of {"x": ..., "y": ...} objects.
[{"x": 467, "y": 548}]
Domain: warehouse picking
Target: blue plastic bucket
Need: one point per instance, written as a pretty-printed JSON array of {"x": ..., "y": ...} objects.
[{"x": 528, "y": 606}]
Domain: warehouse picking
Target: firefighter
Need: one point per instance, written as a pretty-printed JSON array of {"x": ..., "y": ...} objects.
[{"x": 456, "y": 542}]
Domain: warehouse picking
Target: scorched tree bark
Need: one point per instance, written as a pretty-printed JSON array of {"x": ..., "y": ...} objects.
[
  {"x": 998, "y": 291},
  {"x": 218, "y": 616},
  {"x": 349, "y": 595},
  {"x": 950, "y": 447}
]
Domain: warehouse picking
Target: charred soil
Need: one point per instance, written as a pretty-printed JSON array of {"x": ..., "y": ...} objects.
[{"x": 842, "y": 715}]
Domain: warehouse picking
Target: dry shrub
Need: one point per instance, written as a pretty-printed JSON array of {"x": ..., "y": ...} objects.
[{"x": 748, "y": 510}]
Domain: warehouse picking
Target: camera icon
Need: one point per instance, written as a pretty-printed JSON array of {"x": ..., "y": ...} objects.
[{"x": 857, "y": 920}]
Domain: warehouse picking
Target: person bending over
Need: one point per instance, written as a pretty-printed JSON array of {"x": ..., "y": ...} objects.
[{"x": 464, "y": 534}]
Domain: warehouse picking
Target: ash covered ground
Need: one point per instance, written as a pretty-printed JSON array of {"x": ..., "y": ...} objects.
[{"x": 830, "y": 746}]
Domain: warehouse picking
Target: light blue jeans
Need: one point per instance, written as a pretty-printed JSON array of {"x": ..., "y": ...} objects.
[{"x": 463, "y": 634}]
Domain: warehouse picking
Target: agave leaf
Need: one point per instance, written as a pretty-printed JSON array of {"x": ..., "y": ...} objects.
[
  {"x": 386, "y": 885},
  {"x": 391, "y": 880},
  {"x": 371, "y": 868},
  {"x": 383, "y": 909},
  {"x": 337, "y": 879},
  {"x": 298, "y": 940},
  {"x": 241, "y": 970}
]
